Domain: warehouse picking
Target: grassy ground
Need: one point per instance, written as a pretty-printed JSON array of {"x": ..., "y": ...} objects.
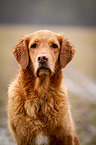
[{"x": 84, "y": 39}]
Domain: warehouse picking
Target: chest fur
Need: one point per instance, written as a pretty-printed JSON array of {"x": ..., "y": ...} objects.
[
  {"x": 45, "y": 109},
  {"x": 40, "y": 108}
]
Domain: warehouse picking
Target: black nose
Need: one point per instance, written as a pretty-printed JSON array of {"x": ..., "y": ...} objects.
[{"x": 42, "y": 58}]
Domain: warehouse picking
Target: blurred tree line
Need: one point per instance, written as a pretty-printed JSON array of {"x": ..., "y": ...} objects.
[{"x": 54, "y": 12}]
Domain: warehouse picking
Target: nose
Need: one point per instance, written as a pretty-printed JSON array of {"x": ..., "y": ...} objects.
[{"x": 42, "y": 58}]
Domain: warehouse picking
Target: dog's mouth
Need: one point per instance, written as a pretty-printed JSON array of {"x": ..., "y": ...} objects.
[{"x": 43, "y": 71}]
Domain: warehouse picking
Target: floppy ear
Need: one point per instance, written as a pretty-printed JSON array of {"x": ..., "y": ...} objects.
[
  {"x": 21, "y": 52},
  {"x": 67, "y": 51}
]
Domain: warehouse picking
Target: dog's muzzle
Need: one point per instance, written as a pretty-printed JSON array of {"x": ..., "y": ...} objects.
[{"x": 43, "y": 67}]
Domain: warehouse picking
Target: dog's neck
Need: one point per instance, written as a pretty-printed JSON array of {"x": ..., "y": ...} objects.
[{"x": 40, "y": 84}]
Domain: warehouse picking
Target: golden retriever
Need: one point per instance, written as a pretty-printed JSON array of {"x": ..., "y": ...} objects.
[{"x": 38, "y": 108}]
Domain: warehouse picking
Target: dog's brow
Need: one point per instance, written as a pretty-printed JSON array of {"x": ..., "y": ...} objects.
[
  {"x": 36, "y": 40},
  {"x": 52, "y": 41}
]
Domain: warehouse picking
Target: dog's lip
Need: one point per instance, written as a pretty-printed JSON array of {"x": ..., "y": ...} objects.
[{"x": 43, "y": 68}]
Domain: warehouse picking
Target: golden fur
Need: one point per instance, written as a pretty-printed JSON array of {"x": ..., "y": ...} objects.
[{"x": 38, "y": 108}]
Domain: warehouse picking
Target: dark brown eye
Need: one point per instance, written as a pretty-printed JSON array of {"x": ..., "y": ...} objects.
[
  {"x": 34, "y": 45},
  {"x": 54, "y": 46}
]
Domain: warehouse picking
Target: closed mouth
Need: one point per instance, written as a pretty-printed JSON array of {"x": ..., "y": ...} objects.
[{"x": 43, "y": 71}]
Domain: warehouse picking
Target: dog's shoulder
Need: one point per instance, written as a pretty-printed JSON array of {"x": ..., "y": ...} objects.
[
  {"x": 63, "y": 89},
  {"x": 14, "y": 87}
]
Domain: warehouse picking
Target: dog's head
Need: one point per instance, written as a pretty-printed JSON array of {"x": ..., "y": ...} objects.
[{"x": 47, "y": 51}]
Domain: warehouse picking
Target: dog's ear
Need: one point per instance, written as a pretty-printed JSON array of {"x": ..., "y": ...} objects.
[
  {"x": 67, "y": 51},
  {"x": 21, "y": 52}
]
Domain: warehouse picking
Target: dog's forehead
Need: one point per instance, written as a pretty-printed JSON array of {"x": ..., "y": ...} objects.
[{"x": 44, "y": 35}]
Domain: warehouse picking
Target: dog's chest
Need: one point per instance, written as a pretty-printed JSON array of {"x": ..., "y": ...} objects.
[
  {"x": 40, "y": 109},
  {"x": 41, "y": 114}
]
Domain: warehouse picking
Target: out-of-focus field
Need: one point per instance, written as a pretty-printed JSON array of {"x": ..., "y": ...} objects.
[{"x": 83, "y": 65}]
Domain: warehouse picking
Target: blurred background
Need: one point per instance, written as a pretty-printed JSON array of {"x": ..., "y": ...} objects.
[{"x": 76, "y": 19}]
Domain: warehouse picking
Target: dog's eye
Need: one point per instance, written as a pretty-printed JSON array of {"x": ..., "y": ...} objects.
[
  {"x": 34, "y": 45},
  {"x": 54, "y": 45}
]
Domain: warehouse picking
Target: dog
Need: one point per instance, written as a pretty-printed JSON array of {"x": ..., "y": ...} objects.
[{"x": 38, "y": 108}]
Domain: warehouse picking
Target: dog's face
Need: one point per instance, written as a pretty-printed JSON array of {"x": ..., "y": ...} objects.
[
  {"x": 47, "y": 51},
  {"x": 44, "y": 50}
]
